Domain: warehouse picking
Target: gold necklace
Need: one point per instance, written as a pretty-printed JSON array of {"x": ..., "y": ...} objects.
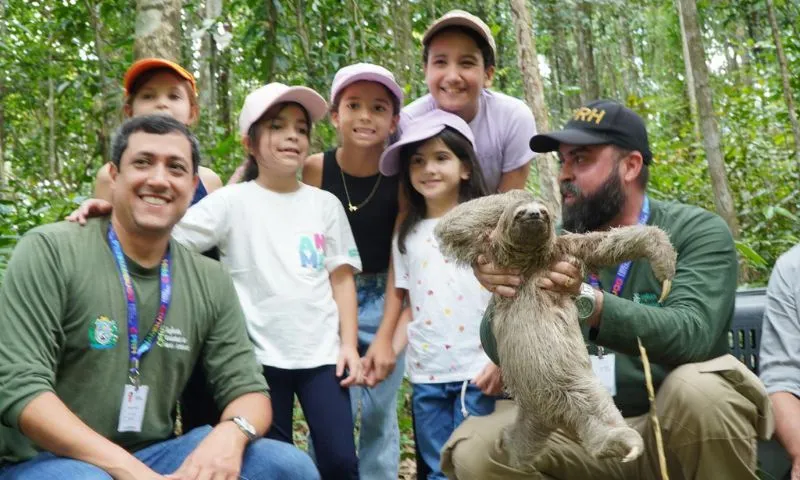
[{"x": 350, "y": 206}]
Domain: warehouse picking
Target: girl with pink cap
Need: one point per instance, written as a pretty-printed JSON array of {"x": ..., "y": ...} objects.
[
  {"x": 365, "y": 103},
  {"x": 436, "y": 160}
]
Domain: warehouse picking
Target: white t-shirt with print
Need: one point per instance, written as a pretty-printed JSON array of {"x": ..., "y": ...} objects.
[
  {"x": 447, "y": 304},
  {"x": 280, "y": 249},
  {"x": 503, "y": 128}
]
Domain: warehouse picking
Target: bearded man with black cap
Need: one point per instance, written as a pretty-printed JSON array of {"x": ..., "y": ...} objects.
[{"x": 712, "y": 408}]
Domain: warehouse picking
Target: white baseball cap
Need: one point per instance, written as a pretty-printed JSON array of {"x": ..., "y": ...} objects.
[
  {"x": 261, "y": 99},
  {"x": 365, "y": 72},
  {"x": 422, "y": 128}
]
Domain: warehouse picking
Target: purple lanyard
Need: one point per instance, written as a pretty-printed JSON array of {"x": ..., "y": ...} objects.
[
  {"x": 137, "y": 351},
  {"x": 622, "y": 272}
]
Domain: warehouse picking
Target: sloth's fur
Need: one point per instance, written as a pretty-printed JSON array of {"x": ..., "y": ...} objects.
[{"x": 544, "y": 360}]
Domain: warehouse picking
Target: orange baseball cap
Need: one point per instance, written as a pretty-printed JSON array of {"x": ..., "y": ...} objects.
[{"x": 145, "y": 64}]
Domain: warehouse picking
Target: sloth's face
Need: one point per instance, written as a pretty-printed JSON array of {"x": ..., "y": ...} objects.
[{"x": 527, "y": 223}]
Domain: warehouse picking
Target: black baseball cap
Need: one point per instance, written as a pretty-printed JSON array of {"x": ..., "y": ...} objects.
[{"x": 597, "y": 123}]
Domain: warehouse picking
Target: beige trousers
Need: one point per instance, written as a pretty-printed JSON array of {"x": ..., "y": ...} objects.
[{"x": 711, "y": 415}]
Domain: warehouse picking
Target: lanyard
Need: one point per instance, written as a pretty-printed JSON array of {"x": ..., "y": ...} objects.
[
  {"x": 622, "y": 272},
  {"x": 137, "y": 351}
]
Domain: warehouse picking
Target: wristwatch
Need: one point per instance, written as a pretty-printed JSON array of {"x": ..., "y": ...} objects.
[
  {"x": 246, "y": 427},
  {"x": 585, "y": 302}
]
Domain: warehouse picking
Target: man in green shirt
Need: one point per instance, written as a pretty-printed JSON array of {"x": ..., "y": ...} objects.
[
  {"x": 712, "y": 408},
  {"x": 101, "y": 327}
]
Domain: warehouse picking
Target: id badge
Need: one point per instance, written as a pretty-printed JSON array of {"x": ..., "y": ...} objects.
[
  {"x": 131, "y": 414},
  {"x": 603, "y": 368}
]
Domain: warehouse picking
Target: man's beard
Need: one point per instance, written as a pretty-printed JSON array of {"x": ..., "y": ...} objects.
[{"x": 590, "y": 212}]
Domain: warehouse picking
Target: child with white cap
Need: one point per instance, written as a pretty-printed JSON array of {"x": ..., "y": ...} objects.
[
  {"x": 438, "y": 169},
  {"x": 459, "y": 64},
  {"x": 292, "y": 257},
  {"x": 365, "y": 103}
]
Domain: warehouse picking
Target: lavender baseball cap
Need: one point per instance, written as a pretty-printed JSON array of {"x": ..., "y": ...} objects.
[
  {"x": 262, "y": 98},
  {"x": 418, "y": 129},
  {"x": 365, "y": 72}
]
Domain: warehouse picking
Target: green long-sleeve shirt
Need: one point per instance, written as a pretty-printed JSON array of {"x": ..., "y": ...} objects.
[
  {"x": 63, "y": 329},
  {"x": 693, "y": 322}
]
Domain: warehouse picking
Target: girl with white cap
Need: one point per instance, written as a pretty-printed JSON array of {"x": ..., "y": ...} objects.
[
  {"x": 292, "y": 257},
  {"x": 438, "y": 169}
]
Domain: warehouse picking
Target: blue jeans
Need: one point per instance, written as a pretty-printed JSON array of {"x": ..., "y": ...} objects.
[
  {"x": 263, "y": 459},
  {"x": 437, "y": 413},
  {"x": 379, "y": 437}
]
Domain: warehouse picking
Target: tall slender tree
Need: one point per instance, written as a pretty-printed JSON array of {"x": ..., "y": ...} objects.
[
  {"x": 532, "y": 81},
  {"x": 687, "y": 64},
  {"x": 708, "y": 120},
  {"x": 590, "y": 87},
  {"x": 788, "y": 96}
]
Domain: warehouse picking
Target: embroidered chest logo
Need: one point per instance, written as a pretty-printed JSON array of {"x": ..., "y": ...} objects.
[
  {"x": 646, "y": 298},
  {"x": 312, "y": 251},
  {"x": 103, "y": 333},
  {"x": 172, "y": 338}
]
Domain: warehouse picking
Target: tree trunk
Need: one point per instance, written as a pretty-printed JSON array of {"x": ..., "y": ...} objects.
[
  {"x": 270, "y": 39},
  {"x": 51, "y": 122},
  {"x": 208, "y": 67},
  {"x": 568, "y": 79},
  {"x": 708, "y": 121},
  {"x": 745, "y": 69},
  {"x": 590, "y": 89},
  {"x": 223, "y": 87},
  {"x": 404, "y": 66},
  {"x": 787, "y": 88},
  {"x": 690, "y": 90},
  {"x": 158, "y": 29},
  {"x": 630, "y": 72},
  {"x": 305, "y": 39},
  {"x": 106, "y": 92},
  {"x": 532, "y": 81}
]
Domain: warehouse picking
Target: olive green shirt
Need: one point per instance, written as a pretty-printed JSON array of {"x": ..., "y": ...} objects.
[
  {"x": 690, "y": 326},
  {"x": 63, "y": 329}
]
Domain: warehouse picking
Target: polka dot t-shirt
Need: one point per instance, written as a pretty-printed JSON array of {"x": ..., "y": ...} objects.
[{"x": 447, "y": 305}]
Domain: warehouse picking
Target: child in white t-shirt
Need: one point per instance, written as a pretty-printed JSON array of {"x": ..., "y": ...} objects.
[
  {"x": 292, "y": 257},
  {"x": 438, "y": 169}
]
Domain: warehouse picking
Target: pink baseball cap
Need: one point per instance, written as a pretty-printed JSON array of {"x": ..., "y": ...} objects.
[
  {"x": 365, "y": 72},
  {"x": 261, "y": 99},
  {"x": 418, "y": 129}
]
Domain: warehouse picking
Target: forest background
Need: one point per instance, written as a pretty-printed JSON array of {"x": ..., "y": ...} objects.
[{"x": 713, "y": 79}]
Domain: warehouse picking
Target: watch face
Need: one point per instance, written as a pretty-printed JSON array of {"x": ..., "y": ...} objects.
[{"x": 585, "y": 307}]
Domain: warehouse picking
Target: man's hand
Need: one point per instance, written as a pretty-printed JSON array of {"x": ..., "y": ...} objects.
[
  {"x": 501, "y": 282},
  {"x": 348, "y": 357},
  {"x": 490, "y": 380},
  {"x": 379, "y": 361},
  {"x": 217, "y": 457},
  {"x": 563, "y": 277},
  {"x": 93, "y": 207}
]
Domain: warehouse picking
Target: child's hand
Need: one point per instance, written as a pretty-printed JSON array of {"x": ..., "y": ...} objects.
[
  {"x": 490, "y": 380},
  {"x": 93, "y": 207},
  {"x": 379, "y": 362},
  {"x": 348, "y": 357}
]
